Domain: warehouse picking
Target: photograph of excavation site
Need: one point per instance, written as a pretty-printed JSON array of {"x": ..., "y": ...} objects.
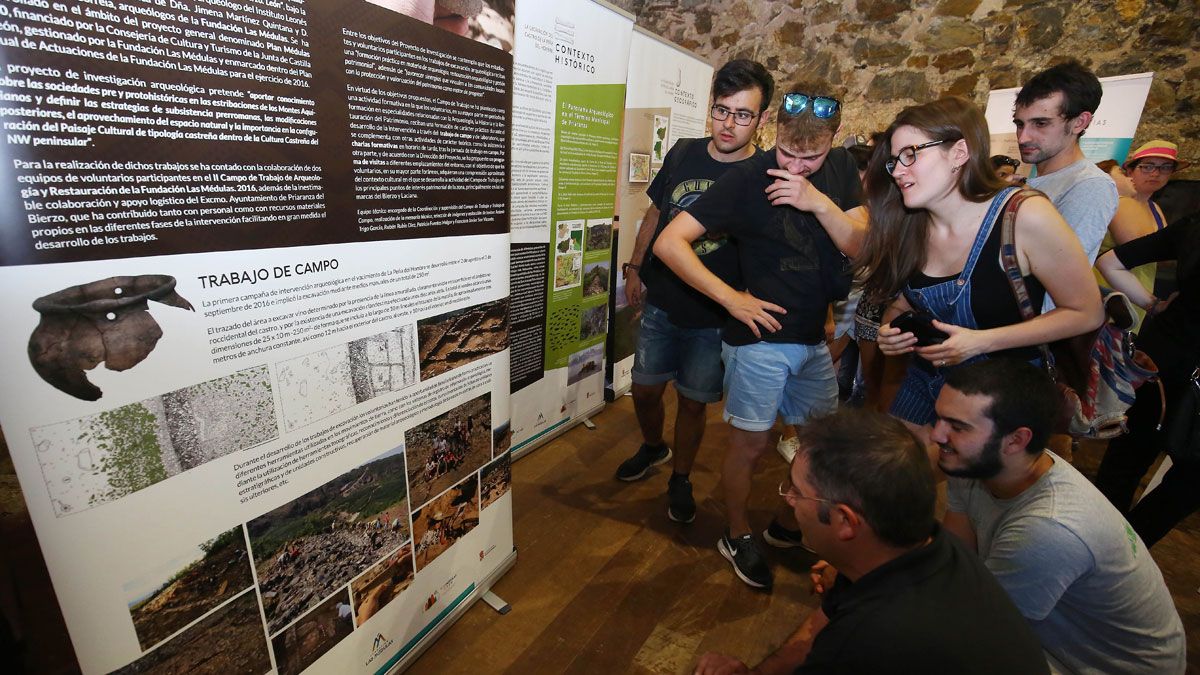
[
  {"x": 306, "y": 548},
  {"x": 439, "y": 524},
  {"x": 311, "y": 637},
  {"x": 495, "y": 479},
  {"x": 454, "y": 339},
  {"x": 448, "y": 447},
  {"x": 382, "y": 583},
  {"x": 178, "y": 591},
  {"x": 230, "y": 641}
]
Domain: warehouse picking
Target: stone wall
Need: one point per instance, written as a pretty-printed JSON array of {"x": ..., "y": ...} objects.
[{"x": 886, "y": 54}]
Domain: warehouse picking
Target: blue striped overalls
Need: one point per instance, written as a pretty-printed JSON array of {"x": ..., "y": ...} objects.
[{"x": 948, "y": 302}]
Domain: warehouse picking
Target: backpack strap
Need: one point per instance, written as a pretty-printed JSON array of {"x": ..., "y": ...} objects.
[{"x": 1012, "y": 266}]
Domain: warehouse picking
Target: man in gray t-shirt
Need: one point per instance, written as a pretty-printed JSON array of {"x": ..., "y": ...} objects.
[
  {"x": 1052, "y": 111},
  {"x": 1070, "y": 562}
]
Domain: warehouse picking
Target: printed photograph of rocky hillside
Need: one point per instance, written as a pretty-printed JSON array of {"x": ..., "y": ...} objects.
[
  {"x": 178, "y": 591},
  {"x": 311, "y": 545},
  {"x": 454, "y": 339},
  {"x": 495, "y": 479},
  {"x": 230, "y": 641},
  {"x": 308, "y": 639}
]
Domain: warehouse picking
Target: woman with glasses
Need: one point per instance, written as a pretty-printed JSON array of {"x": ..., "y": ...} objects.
[
  {"x": 934, "y": 240},
  {"x": 1149, "y": 168},
  {"x": 1132, "y": 220}
]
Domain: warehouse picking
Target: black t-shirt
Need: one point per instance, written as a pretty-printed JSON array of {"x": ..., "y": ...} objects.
[
  {"x": 786, "y": 256},
  {"x": 681, "y": 181},
  {"x": 1181, "y": 319},
  {"x": 936, "y": 609},
  {"x": 993, "y": 303}
]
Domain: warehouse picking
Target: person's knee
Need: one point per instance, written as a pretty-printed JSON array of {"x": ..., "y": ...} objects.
[
  {"x": 646, "y": 394},
  {"x": 747, "y": 446},
  {"x": 689, "y": 407}
]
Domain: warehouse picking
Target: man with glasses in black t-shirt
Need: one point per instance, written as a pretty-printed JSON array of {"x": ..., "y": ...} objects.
[{"x": 680, "y": 333}]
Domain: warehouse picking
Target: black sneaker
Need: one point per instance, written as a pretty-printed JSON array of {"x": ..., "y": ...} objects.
[
  {"x": 781, "y": 537},
  {"x": 679, "y": 494},
  {"x": 747, "y": 560},
  {"x": 635, "y": 467}
]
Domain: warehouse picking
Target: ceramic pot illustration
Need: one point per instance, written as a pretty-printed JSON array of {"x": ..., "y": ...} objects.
[{"x": 103, "y": 321}]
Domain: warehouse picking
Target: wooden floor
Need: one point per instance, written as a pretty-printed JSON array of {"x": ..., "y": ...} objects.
[{"x": 606, "y": 583}]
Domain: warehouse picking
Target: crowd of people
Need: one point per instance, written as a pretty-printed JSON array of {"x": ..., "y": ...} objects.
[{"x": 751, "y": 261}]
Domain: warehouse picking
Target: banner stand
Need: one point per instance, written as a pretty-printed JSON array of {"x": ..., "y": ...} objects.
[
  {"x": 451, "y": 617},
  {"x": 552, "y": 433}
]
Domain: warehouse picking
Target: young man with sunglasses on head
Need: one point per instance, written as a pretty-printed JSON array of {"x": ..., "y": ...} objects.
[
  {"x": 785, "y": 209},
  {"x": 680, "y": 333},
  {"x": 1052, "y": 111}
]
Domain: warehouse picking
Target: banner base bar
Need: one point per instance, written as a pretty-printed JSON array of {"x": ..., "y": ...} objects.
[
  {"x": 482, "y": 589},
  {"x": 531, "y": 444},
  {"x": 497, "y": 603}
]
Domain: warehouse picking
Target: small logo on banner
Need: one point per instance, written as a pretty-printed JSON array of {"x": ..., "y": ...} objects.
[{"x": 378, "y": 646}]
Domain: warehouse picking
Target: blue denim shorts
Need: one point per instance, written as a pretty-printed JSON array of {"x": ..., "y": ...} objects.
[
  {"x": 690, "y": 356},
  {"x": 764, "y": 379}
]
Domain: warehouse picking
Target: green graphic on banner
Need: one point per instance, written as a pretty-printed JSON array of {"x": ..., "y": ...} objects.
[{"x": 587, "y": 138}]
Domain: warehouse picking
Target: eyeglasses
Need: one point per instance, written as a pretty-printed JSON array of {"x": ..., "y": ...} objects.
[
  {"x": 908, "y": 155},
  {"x": 823, "y": 107},
  {"x": 1164, "y": 169},
  {"x": 742, "y": 118},
  {"x": 789, "y": 491}
]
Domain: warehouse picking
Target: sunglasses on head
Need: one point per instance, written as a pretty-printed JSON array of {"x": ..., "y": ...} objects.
[{"x": 823, "y": 107}]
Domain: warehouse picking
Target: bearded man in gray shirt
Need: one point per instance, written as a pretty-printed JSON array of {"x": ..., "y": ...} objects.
[{"x": 1069, "y": 561}]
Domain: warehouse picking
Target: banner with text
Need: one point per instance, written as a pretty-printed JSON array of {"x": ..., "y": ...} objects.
[
  {"x": 568, "y": 95},
  {"x": 255, "y": 261},
  {"x": 667, "y": 99},
  {"x": 1110, "y": 134}
]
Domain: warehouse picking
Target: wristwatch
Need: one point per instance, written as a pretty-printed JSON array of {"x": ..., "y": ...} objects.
[{"x": 629, "y": 266}]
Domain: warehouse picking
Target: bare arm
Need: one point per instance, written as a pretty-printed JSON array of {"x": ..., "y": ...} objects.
[
  {"x": 1054, "y": 256},
  {"x": 1123, "y": 280},
  {"x": 846, "y": 232},
  {"x": 674, "y": 248},
  {"x": 960, "y": 526},
  {"x": 1131, "y": 221},
  {"x": 633, "y": 275},
  {"x": 782, "y": 661}
]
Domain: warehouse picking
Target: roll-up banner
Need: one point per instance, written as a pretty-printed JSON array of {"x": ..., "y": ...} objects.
[
  {"x": 568, "y": 96},
  {"x": 255, "y": 271},
  {"x": 1110, "y": 134},
  {"x": 667, "y": 99}
]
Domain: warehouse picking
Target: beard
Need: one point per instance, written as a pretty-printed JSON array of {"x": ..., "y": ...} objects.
[{"x": 983, "y": 467}]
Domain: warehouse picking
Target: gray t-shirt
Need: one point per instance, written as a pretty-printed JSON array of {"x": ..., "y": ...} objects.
[
  {"x": 1078, "y": 572},
  {"x": 1087, "y": 199}
]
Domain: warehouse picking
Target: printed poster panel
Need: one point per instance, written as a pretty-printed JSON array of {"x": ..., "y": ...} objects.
[
  {"x": 667, "y": 99},
  {"x": 256, "y": 338},
  {"x": 569, "y": 76},
  {"x": 1110, "y": 134}
]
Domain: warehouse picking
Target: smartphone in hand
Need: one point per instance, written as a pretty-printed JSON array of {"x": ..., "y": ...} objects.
[{"x": 920, "y": 325}]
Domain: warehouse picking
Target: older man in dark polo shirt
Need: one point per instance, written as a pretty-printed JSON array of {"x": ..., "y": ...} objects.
[{"x": 908, "y": 597}]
